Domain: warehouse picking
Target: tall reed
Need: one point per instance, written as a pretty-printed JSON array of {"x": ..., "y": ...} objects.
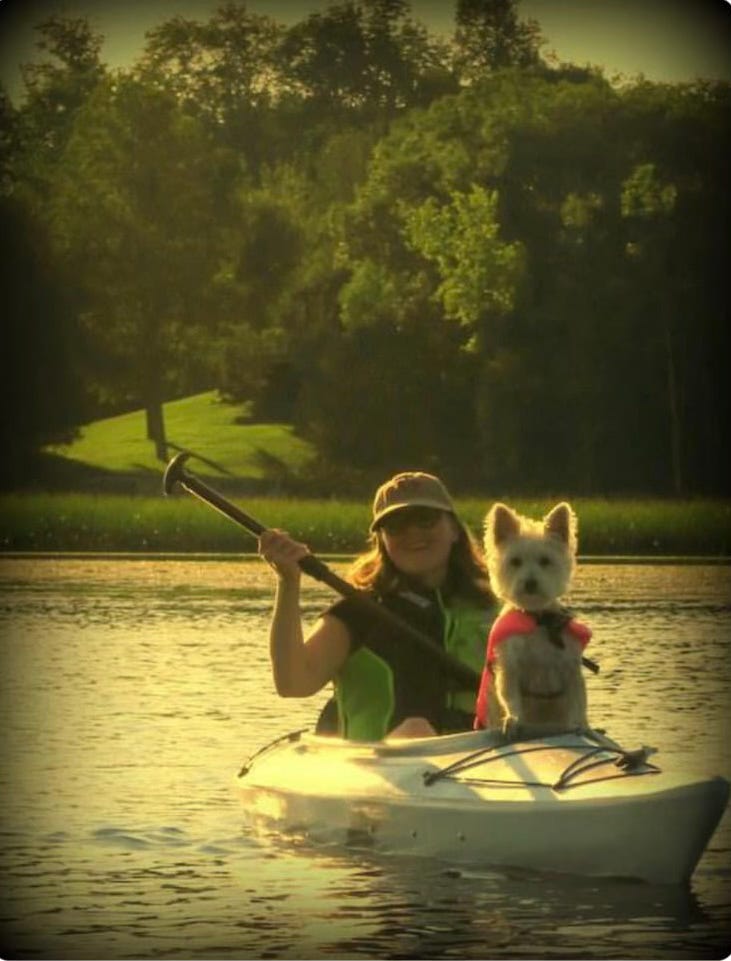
[{"x": 86, "y": 522}]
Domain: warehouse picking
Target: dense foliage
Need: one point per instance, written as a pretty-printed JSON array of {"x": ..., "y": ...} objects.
[{"x": 420, "y": 252}]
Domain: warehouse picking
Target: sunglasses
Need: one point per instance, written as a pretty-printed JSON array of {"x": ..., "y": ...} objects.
[{"x": 422, "y": 517}]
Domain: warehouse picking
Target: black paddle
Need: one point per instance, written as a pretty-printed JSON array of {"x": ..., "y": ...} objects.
[{"x": 176, "y": 473}]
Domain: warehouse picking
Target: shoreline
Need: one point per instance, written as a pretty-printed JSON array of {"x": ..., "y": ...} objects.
[{"x": 696, "y": 560}]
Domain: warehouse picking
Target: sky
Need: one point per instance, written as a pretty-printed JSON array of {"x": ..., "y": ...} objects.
[{"x": 666, "y": 40}]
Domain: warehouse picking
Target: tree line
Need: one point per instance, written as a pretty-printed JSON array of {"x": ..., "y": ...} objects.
[{"x": 444, "y": 252}]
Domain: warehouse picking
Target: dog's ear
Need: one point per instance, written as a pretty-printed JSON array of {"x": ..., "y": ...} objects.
[
  {"x": 500, "y": 524},
  {"x": 561, "y": 523}
]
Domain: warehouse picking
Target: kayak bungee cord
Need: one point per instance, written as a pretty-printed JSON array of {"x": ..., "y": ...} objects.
[
  {"x": 291, "y": 736},
  {"x": 480, "y": 757},
  {"x": 627, "y": 763}
]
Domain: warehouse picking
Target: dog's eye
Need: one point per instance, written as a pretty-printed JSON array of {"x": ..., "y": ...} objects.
[
  {"x": 516, "y": 561},
  {"x": 544, "y": 561}
]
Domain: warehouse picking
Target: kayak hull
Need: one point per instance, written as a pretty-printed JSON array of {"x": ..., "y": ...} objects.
[{"x": 570, "y": 803}]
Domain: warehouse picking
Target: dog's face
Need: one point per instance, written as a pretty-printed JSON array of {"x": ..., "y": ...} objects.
[{"x": 530, "y": 562}]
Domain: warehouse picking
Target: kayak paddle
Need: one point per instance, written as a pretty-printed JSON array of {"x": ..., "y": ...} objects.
[{"x": 176, "y": 473}]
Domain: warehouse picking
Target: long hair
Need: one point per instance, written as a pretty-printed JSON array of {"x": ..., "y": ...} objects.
[{"x": 467, "y": 576}]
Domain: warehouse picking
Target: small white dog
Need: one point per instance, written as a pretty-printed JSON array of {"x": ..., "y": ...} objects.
[{"x": 532, "y": 670}]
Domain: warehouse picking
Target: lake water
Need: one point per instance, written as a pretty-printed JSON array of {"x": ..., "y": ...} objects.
[{"x": 133, "y": 689}]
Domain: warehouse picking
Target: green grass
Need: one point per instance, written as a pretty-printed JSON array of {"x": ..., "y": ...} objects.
[
  {"x": 641, "y": 526},
  {"x": 87, "y": 522},
  {"x": 77, "y": 522},
  {"x": 202, "y": 424}
]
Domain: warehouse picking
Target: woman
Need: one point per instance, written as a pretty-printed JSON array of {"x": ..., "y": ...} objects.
[{"x": 423, "y": 565}]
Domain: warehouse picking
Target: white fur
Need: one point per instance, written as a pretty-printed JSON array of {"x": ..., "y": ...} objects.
[{"x": 531, "y": 564}]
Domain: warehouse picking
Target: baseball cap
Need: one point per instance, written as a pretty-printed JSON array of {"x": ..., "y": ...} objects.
[{"x": 410, "y": 489}]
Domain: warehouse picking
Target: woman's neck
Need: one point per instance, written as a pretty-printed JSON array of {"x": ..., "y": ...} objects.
[{"x": 429, "y": 581}]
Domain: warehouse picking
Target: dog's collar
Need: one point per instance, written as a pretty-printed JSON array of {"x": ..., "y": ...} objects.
[{"x": 554, "y": 623}]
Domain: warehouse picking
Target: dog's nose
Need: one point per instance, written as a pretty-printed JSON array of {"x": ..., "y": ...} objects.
[{"x": 530, "y": 585}]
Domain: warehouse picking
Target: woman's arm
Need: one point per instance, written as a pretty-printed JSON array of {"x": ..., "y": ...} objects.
[{"x": 300, "y": 667}]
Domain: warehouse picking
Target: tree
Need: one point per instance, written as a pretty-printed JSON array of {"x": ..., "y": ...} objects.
[
  {"x": 676, "y": 209},
  {"x": 364, "y": 59},
  {"x": 489, "y": 36},
  {"x": 479, "y": 272},
  {"x": 55, "y": 89},
  {"x": 381, "y": 398},
  {"x": 502, "y": 205},
  {"x": 226, "y": 72},
  {"x": 42, "y": 399},
  {"x": 649, "y": 204},
  {"x": 136, "y": 202},
  {"x": 41, "y": 396},
  {"x": 263, "y": 250}
]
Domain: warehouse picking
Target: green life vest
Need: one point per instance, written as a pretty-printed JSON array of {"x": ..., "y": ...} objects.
[
  {"x": 465, "y": 637},
  {"x": 365, "y": 690}
]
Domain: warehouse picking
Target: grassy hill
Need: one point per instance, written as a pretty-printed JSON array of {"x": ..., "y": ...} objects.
[{"x": 216, "y": 432}]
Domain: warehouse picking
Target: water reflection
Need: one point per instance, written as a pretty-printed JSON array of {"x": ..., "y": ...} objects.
[{"x": 363, "y": 906}]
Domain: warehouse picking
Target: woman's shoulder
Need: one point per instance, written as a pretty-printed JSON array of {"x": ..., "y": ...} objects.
[{"x": 350, "y": 612}]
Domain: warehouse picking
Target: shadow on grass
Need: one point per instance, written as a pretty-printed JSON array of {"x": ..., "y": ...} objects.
[
  {"x": 44, "y": 471},
  {"x": 50, "y": 472},
  {"x": 199, "y": 457}
]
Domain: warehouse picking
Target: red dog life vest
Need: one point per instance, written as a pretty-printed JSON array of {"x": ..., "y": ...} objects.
[{"x": 509, "y": 623}]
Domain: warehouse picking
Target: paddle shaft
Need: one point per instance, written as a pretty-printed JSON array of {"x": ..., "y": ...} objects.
[{"x": 318, "y": 570}]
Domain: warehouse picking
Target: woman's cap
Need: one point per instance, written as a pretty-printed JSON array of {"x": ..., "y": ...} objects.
[{"x": 410, "y": 489}]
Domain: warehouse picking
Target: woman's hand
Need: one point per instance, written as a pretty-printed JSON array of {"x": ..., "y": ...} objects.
[{"x": 282, "y": 553}]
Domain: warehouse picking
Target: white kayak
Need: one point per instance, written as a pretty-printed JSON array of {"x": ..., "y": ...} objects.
[{"x": 574, "y": 803}]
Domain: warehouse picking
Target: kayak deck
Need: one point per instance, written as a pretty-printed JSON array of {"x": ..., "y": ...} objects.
[{"x": 575, "y": 802}]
